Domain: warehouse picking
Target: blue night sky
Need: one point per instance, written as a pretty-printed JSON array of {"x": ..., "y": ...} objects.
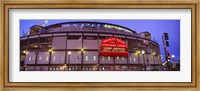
[{"x": 155, "y": 27}]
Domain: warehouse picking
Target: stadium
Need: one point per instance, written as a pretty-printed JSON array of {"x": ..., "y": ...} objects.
[{"x": 88, "y": 46}]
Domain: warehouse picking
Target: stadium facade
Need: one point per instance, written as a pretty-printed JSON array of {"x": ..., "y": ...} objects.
[{"x": 87, "y": 46}]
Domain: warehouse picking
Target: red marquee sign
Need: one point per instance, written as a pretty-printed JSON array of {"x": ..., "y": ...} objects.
[{"x": 113, "y": 47}]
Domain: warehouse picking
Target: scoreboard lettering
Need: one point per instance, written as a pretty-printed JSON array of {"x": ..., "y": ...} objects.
[{"x": 113, "y": 47}]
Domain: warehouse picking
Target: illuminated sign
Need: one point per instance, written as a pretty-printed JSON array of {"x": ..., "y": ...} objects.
[{"x": 113, "y": 47}]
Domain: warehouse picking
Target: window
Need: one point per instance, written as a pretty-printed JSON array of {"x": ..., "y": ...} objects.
[
  {"x": 94, "y": 58},
  {"x": 130, "y": 59},
  {"x": 47, "y": 58},
  {"x": 54, "y": 58},
  {"x": 40, "y": 58},
  {"x": 103, "y": 58},
  {"x": 134, "y": 59},
  {"x": 61, "y": 68},
  {"x": 33, "y": 58},
  {"x": 90, "y": 37},
  {"x": 86, "y": 58},
  {"x": 53, "y": 68},
  {"x": 122, "y": 58},
  {"x": 65, "y": 25},
  {"x": 77, "y": 58},
  {"x": 74, "y": 37},
  {"x": 33, "y": 41},
  {"x": 62, "y": 58},
  {"x": 45, "y": 39},
  {"x": 29, "y": 59},
  {"x": 117, "y": 57},
  {"x": 34, "y": 30},
  {"x": 108, "y": 58}
]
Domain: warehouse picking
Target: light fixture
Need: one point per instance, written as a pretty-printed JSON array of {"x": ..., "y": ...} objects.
[
  {"x": 137, "y": 52},
  {"x": 173, "y": 56},
  {"x": 50, "y": 50},
  {"x": 82, "y": 49},
  {"x": 69, "y": 53},
  {"x": 26, "y": 52},
  {"x": 143, "y": 52},
  {"x": 65, "y": 66}
]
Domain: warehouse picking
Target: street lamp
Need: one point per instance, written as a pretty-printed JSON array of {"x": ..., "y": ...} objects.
[
  {"x": 138, "y": 53},
  {"x": 25, "y": 52},
  {"x": 154, "y": 60},
  {"x": 173, "y": 63},
  {"x": 69, "y": 53},
  {"x": 173, "y": 57},
  {"x": 82, "y": 49},
  {"x": 50, "y": 50},
  {"x": 143, "y": 52},
  {"x": 64, "y": 67}
]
